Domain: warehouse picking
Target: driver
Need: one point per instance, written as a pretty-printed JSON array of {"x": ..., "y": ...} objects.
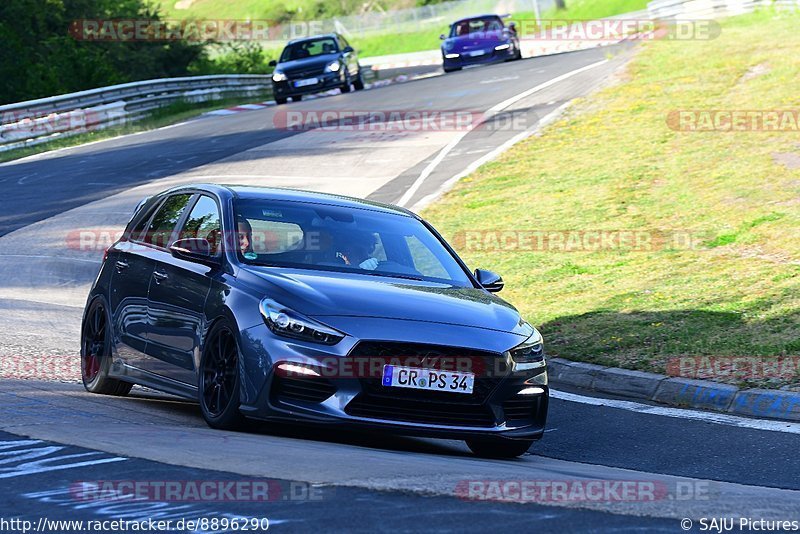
[{"x": 357, "y": 248}]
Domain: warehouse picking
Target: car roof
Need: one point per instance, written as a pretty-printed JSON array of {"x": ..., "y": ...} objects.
[
  {"x": 485, "y": 15},
  {"x": 333, "y": 35},
  {"x": 292, "y": 195}
]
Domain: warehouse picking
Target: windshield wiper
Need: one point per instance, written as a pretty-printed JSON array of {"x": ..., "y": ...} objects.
[
  {"x": 391, "y": 275},
  {"x": 342, "y": 271}
]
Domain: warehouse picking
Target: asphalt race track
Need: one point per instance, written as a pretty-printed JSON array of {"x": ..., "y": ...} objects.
[{"x": 54, "y": 436}]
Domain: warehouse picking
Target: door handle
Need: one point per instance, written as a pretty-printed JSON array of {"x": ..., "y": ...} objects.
[
  {"x": 159, "y": 276},
  {"x": 121, "y": 265}
]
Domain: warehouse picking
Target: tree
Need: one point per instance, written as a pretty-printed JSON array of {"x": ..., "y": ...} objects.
[{"x": 40, "y": 57}]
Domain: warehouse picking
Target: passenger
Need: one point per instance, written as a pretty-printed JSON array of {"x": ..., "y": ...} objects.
[{"x": 244, "y": 234}]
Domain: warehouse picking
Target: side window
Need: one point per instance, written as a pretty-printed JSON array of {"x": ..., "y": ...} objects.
[
  {"x": 144, "y": 218},
  {"x": 203, "y": 222},
  {"x": 424, "y": 260},
  {"x": 159, "y": 233},
  {"x": 343, "y": 42}
]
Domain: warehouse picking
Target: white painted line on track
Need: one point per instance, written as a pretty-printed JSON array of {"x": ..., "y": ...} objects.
[
  {"x": 428, "y": 170},
  {"x": 680, "y": 413},
  {"x": 490, "y": 156},
  {"x": 15, "y": 474}
]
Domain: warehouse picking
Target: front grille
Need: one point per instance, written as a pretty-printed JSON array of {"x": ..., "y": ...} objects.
[
  {"x": 302, "y": 389},
  {"x": 521, "y": 408},
  {"x": 431, "y": 407},
  {"x": 304, "y": 73},
  {"x": 418, "y": 411}
]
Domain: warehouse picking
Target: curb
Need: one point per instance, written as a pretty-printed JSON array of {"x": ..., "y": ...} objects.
[{"x": 674, "y": 391}]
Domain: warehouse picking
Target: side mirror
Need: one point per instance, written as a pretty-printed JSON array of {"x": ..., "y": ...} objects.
[
  {"x": 194, "y": 249},
  {"x": 348, "y": 50},
  {"x": 442, "y": 37},
  {"x": 491, "y": 282},
  {"x": 273, "y": 63}
]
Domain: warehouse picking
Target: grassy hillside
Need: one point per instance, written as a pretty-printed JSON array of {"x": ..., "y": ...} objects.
[
  {"x": 271, "y": 9},
  {"x": 615, "y": 164},
  {"x": 381, "y": 44}
]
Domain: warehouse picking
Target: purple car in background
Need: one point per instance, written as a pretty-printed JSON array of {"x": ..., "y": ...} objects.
[{"x": 479, "y": 40}]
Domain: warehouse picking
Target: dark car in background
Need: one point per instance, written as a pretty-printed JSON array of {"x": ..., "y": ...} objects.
[
  {"x": 284, "y": 305},
  {"x": 479, "y": 40},
  {"x": 315, "y": 64}
]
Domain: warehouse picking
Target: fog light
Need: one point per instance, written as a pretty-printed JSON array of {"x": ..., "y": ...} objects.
[
  {"x": 536, "y": 390},
  {"x": 452, "y": 56},
  {"x": 291, "y": 369}
]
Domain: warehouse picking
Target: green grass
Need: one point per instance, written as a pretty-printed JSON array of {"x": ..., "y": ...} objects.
[
  {"x": 594, "y": 9},
  {"x": 253, "y": 9},
  {"x": 391, "y": 42},
  {"x": 172, "y": 114},
  {"x": 400, "y": 43},
  {"x": 614, "y": 164}
]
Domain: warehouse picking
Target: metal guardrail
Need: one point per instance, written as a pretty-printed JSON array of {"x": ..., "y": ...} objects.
[
  {"x": 671, "y": 9},
  {"x": 38, "y": 121}
]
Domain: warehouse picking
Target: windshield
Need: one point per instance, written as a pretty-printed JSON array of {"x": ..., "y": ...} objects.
[
  {"x": 309, "y": 48},
  {"x": 313, "y": 236},
  {"x": 478, "y": 25}
]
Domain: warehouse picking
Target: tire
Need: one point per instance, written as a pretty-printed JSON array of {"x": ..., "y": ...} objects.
[
  {"x": 446, "y": 70},
  {"x": 297, "y": 98},
  {"x": 358, "y": 84},
  {"x": 499, "y": 447},
  {"x": 218, "y": 384},
  {"x": 346, "y": 86},
  {"x": 280, "y": 101},
  {"x": 96, "y": 353}
]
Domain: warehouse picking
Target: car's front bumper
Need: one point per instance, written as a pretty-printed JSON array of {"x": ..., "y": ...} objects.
[
  {"x": 327, "y": 81},
  {"x": 466, "y": 60},
  {"x": 346, "y": 395}
]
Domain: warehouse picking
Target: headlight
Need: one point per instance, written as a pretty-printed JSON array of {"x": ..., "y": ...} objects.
[
  {"x": 278, "y": 76},
  {"x": 285, "y": 322},
  {"x": 531, "y": 350},
  {"x": 451, "y": 56},
  {"x": 502, "y": 47},
  {"x": 333, "y": 66}
]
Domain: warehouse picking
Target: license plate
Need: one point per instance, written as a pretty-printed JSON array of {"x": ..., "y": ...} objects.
[
  {"x": 427, "y": 379},
  {"x": 307, "y": 81},
  {"x": 475, "y": 53}
]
